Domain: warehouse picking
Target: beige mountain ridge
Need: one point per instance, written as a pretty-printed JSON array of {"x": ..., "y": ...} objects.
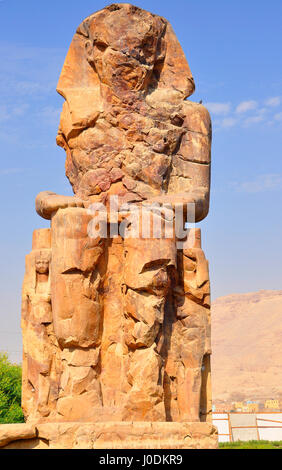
[{"x": 247, "y": 336}]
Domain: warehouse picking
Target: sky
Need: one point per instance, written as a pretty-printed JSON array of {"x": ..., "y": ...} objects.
[{"x": 234, "y": 51}]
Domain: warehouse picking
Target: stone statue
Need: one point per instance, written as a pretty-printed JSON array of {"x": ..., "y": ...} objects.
[
  {"x": 117, "y": 328},
  {"x": 41, "y": 369}
]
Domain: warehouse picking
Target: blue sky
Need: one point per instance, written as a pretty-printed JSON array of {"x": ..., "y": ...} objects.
[{"x": 234, "y": 51}]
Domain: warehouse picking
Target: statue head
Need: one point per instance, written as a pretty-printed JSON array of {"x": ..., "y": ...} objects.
[
  {"x": 124, "y": 46},
  {"x": 124, "y": 74},
  {"x": 42, "y": 261},
  {"x": 126, "y": 49}
]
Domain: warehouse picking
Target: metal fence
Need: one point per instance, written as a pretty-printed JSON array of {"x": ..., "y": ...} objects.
[{"x": 248, "y": 426}]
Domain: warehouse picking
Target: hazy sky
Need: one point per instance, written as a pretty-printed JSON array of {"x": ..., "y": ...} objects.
[{"x": 234, "y": 51}]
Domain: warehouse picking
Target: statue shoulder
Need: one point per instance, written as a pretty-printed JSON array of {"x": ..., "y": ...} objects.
[{"x": 197, "y": 117}]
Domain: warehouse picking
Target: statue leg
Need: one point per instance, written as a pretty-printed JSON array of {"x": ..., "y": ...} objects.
[
  {"x": 147, "y": 281},
  {"x": 77, "y": 312},
  {"x": 192, "y": 334},
  {"x": 114, "y": 352}
]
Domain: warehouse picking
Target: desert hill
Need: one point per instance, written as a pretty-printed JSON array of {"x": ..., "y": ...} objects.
[{"x": 247, "y": 346}]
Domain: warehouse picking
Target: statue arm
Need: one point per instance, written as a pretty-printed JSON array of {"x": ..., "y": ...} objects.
[
  {"x": 190, "y": 174},
  {"x": 47, "y": 203}
]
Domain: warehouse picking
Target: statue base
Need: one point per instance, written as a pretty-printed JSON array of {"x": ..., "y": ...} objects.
[{"x": 109, "y": 435}]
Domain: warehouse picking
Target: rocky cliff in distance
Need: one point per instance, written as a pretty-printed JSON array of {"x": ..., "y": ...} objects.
[{"x": 247, "y": 338}]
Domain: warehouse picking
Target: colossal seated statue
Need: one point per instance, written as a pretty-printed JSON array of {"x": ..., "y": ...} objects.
[{"x": 128, "y": 317}]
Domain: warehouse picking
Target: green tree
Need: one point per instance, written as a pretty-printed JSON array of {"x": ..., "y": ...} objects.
[{"x": 10, "y": 391}]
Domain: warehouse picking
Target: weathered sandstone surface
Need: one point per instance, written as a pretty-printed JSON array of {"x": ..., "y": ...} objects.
[
  {"x": 108, "y": 435},
  {"x": 16, "y": 432}
]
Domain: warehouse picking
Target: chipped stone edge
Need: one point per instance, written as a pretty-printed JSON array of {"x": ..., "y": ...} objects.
[{"x": 16, "y": 432}]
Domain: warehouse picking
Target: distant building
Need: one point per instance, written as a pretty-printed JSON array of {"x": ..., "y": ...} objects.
[
  {"x": 271, "y": 404},
  {"x": 252, "y": 407},
  {"x": 222, "y": 407},
  {"x": 238, "y": 405},
  {"x": 249, "y": 407}
]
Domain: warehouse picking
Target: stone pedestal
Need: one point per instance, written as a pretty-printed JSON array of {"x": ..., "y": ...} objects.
[{"x": 110, "y": 435}]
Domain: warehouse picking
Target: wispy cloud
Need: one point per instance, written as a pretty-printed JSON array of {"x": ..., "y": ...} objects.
[
  {"x": 29, "y": 70},
  {"x": 245, "y": 106},
  {"x": 4, "y": 115},
  {"x": 219, "y": 108},
  {"x": 278, "y": 117},
  {"x": 28, "y": 99},
  {"x": 20, "y": 109},
  {"x": 50, "y": 115},
  {"x": 265, "y": 182},
  {"x": 9, "y": 112},
  {"x": 10, "y": 171},
  {"x": 254, "y": 119},
  {"x": 228, "y": 122},
  {"x": 273, "y": 102},
  {"x": 33, "y": 88},
  {"x": 246, "y": 113}
]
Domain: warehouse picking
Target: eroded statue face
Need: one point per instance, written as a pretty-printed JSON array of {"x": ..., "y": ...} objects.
[
  {"x": 118, "y": 70},
  {"x": 42, "y": 261},
  {"x": 124, "y": 52}
]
